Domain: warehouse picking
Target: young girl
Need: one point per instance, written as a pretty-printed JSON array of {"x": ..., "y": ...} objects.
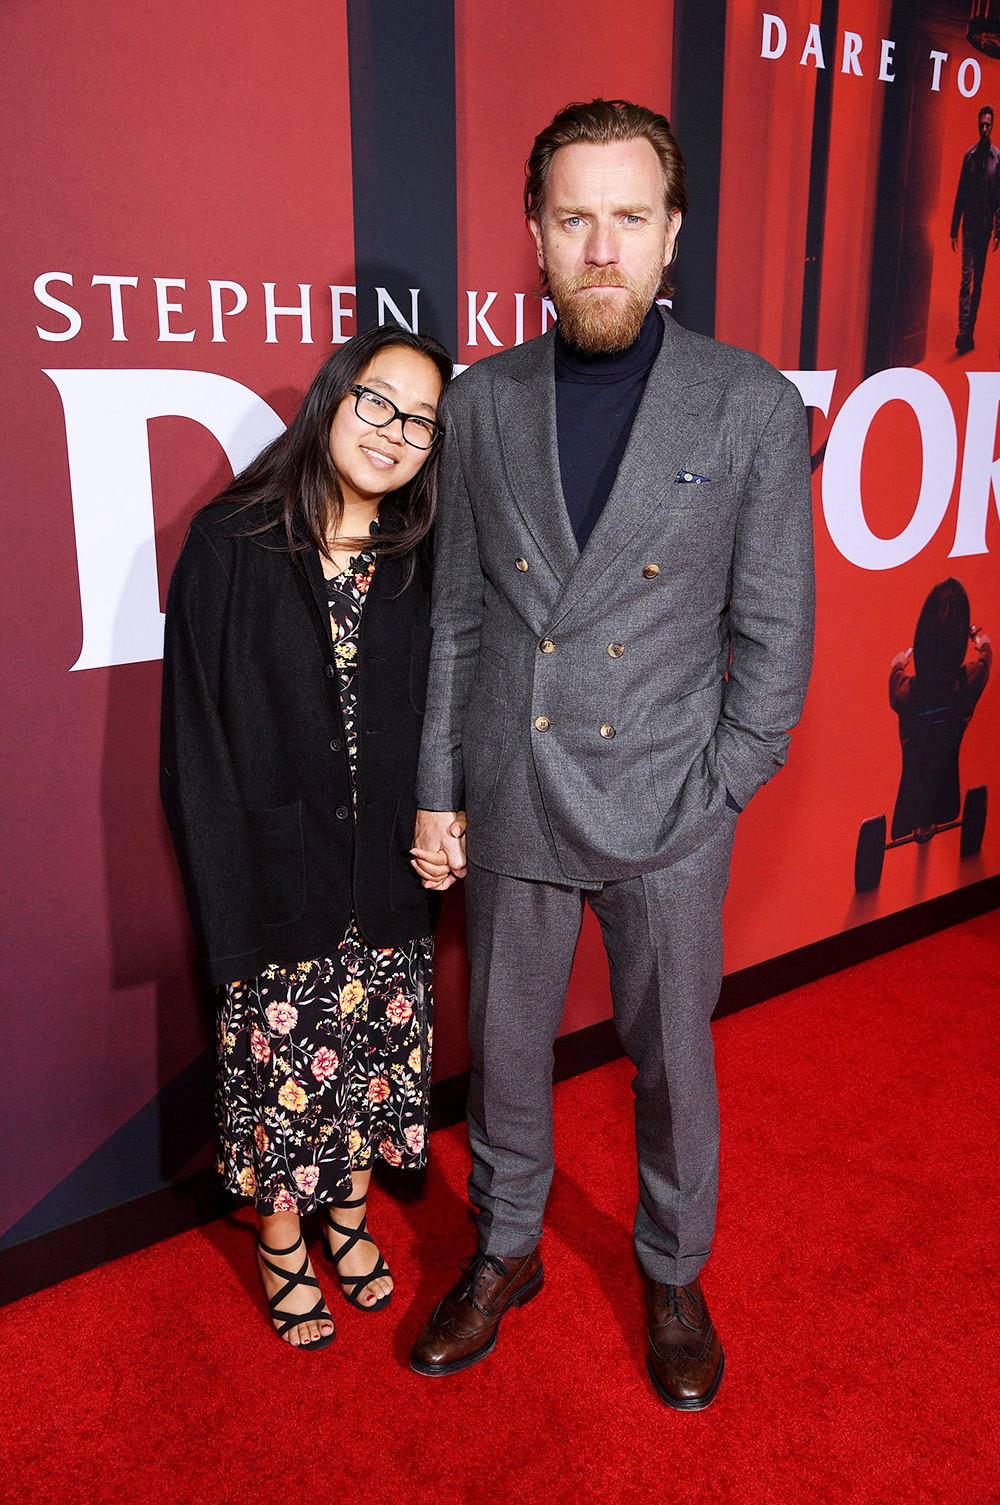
[{"x": 294, "y": 670}]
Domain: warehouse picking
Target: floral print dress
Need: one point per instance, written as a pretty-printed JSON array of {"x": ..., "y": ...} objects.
[{"x": 326, "y": 1065}]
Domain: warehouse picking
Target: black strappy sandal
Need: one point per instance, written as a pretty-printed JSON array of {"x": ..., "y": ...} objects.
[
  {"x": 351, "y": 1284},
  {"x": 293, "y": 1278}
]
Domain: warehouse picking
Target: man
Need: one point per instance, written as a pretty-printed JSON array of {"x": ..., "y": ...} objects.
[
  {"x": 977, "y": 210},
  {"x": 608, "y": 490}
]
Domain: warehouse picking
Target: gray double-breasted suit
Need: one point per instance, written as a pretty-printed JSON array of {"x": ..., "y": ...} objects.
[{"x": 590, "y": 710}]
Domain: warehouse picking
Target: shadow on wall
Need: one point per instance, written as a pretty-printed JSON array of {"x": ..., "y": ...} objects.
[
  {"x": 150, "y": 939},
  {"x": 149, "y": 936}
]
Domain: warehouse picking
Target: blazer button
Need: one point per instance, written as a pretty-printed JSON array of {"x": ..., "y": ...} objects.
[
  {"x": 330, "y": 671},
  {"x": 607, "y": 730},
  {"x": 522, "y": 564},
  {"x": 541, "y": 723},
  {"x": 547, "y": 645},
  {"x": 651, "y": 571},
  {"x": 336, "y": 744},
  {"x": 342, "y": 812},
  {"x": 615, "y": 650}
]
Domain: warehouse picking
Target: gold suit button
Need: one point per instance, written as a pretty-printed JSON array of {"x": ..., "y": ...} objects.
[
  {"x": 547, "y": 645},
  {"x": 541, "y": 723},
  {"x": 522, "y": 564},
  {"x": 607, "y": 730},
  {"x": 651, "y": 571},
  {"x": 615, "y": 650}
]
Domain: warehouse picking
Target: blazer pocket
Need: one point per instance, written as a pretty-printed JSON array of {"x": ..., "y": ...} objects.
[
  {"x": 719, "y": 494},
  {"x": 279, "y": 854},
  {"x": 482, "y": 755},
  {"x": 678, "y": 735},
  {"x": 491, "y": 677}
]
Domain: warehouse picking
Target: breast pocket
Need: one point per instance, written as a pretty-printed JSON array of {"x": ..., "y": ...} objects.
[
  {"x": 696, "y": 531},
  {"x": 277, "y": 851}
]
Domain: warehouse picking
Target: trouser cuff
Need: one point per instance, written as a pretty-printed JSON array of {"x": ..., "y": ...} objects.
[
  {"x": 672, "y": 1272},
  {"x": 507, "y": 1245}
]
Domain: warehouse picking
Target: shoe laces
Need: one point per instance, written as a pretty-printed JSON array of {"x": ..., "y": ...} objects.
[
  {"x": 477, "y": 1263},
  {"x": 675, "y": 1307}
]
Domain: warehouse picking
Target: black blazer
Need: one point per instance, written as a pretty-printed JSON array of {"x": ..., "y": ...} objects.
[{"x": 254, "y": 772}]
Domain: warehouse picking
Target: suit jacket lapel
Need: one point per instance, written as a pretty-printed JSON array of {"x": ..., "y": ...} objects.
[
  {"x": 526, "y": 416},
  {"x": 670, "y": 414}
]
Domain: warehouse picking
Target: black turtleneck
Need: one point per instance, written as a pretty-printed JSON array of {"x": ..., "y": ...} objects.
[{"x": 597, "y": 398}]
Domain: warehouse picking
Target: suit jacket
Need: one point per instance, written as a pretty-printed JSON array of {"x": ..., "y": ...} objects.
[
  {"x": 254, "y": 767},
  {"x": 591, "y": 709},
  {"x": 977, "y": 198}
]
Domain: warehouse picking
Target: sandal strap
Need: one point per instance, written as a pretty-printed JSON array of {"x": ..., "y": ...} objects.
[
  {"x": 318, "y": 1313},
  {"x": 351, "y": 1236},
  {"x": 356, "y": 1281},
  {"x": 268, "y": 1250},
  {"x": 351, "y": 1284},
  {"x": 357, "y": 1202},
  {"x": 292, "y": 1278}
]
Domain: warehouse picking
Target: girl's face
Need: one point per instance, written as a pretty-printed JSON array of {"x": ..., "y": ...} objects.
[{"x": 369, "y": 460}]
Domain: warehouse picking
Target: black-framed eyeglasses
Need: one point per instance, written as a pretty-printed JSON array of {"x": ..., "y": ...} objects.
[{"x": 422, "y": 433}]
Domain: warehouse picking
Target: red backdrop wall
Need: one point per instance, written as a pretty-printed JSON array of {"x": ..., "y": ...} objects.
[{"x": 194, "y": 144}]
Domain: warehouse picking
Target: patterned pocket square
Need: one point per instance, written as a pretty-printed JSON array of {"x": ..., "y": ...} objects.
[{"x": 688, "y": 477}]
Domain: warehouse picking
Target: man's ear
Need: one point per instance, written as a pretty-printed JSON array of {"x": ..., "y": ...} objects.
[
  {"x": 673, "y": 226},
  {"x": 535, "y": 227}
]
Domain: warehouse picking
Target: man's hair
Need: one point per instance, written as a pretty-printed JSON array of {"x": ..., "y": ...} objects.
[
  {"x": 986, "y": 110},
  {"x": 600, "y": 122}
]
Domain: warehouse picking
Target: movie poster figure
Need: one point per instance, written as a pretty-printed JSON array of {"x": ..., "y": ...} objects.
[
  {"x": 934, "y": 688},
  {"x": 977, "y": 210}
]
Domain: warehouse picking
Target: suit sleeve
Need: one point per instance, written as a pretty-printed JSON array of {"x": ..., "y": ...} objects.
[
  {"x": 772, "y": 605},
  {"x": 198, "y": 787},
  {"x": 960, "y": 195},
  {"x": 456, "y": 619}
]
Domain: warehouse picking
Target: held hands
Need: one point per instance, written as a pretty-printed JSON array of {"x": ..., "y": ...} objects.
[{"x": 438, "y": 851}]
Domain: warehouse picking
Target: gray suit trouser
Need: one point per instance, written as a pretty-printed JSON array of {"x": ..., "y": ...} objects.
[{"x": 663, "y": 935}]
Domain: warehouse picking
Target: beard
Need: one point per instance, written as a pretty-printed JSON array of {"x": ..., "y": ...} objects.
[{"x": 601, "y": 325}]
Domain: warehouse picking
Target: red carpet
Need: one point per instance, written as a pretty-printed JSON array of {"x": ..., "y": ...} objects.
[{"x": 854, "y": 1283}]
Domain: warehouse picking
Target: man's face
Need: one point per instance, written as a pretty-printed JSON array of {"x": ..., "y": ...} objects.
[
  {"x": 985, "y": 129},
  {"x": 604, "y": 239}
]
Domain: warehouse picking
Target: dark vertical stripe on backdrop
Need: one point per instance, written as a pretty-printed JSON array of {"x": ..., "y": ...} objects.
[
  {"x": 902, "y": 256},
  {"x": 819, "y": 166},
  {"x": 402, "y": 71},
  {"x": 699, "y": 54}
]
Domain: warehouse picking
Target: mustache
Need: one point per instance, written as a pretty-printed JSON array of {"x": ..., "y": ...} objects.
[{"x": 609, "y": 277}]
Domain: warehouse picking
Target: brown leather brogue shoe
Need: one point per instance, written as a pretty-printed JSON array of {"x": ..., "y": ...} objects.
[
  {"x": 685, "y": 1359},
  {"x": 463, "y": 1327}
]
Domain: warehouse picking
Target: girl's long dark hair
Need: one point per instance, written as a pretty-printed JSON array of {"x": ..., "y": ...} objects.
[
  {"x": 942, "y": 636},
  {"x": 294, "y": 481}
]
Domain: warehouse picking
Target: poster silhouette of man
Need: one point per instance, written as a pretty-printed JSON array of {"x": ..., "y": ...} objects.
[{"x": 977, "y": 210}]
